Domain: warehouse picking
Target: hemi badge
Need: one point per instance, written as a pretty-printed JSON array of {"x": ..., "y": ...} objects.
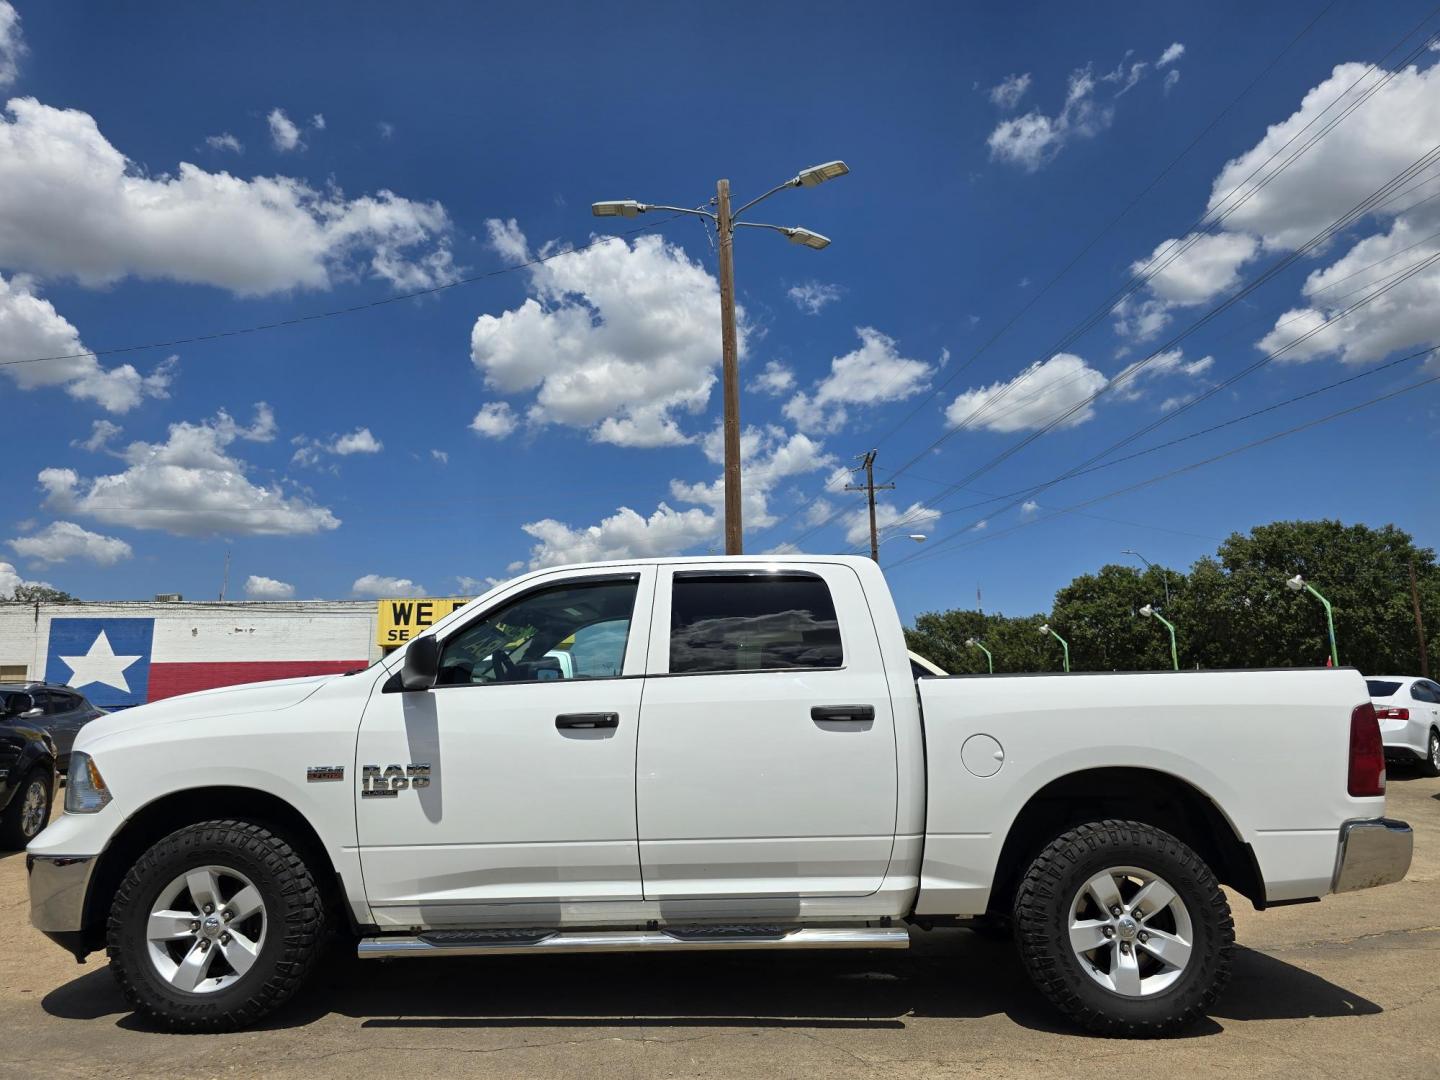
[{"x": 317, "y": 774}]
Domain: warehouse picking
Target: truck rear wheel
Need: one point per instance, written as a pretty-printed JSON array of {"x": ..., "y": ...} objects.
[
  {"x": 215, "y": 926},
  {"x": 1125, "y": 929}
]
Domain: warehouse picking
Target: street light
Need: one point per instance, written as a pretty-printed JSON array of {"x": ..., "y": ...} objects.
[
  {"x": 1150, "y": 613},
  {"x": 974, "y": 643},
  {"x": 1164, "y": 574},
  {"x": 1063, "y": 643},
  {"x": 919, "y": 538},
  {"x": 725, "y": 223},
  {"x": 1297, "y": 583}
]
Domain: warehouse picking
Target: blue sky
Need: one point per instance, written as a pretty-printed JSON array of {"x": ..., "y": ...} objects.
[{"x": 176, "y": 170}]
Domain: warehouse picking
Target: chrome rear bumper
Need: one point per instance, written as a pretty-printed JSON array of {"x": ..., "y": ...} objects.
[{"x": 1372, "y": 851}]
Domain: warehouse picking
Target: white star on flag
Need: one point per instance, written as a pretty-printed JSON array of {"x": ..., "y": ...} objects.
[{"x": 99, "y": 665}]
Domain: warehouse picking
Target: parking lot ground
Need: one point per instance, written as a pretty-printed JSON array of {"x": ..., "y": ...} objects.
[{"x": 1346, "y": 988}]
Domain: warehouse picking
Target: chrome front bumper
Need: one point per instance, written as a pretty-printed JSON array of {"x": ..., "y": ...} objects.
[
  {"x": 1373, "y": 851},
  {"x": 58, "y": 885}
]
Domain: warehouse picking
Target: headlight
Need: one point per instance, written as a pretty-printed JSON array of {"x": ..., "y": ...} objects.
[{"x": 85, "y": 790}]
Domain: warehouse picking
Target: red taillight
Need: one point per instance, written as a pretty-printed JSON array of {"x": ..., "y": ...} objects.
[
  {"x": 1367, "y": 755},
  {"x": 1392, "y": 714}
]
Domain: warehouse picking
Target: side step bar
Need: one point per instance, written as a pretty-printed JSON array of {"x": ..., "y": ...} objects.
[{"x": 680, "y": 939}]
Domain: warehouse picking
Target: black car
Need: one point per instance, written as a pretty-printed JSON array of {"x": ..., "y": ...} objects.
[
  {"x": 27, "y": 769},
  {"x": 62, "y": 712}
]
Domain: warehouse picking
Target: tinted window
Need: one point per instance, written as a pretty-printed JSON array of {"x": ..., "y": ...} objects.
[
  {"x": 574, "y": 631},
  {"x": 1381, "y": 688},
  {"x": 752, "y": 623},
  {"x": 1421, "y": 692}
]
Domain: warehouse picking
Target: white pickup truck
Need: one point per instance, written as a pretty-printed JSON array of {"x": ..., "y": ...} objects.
[{"x": 736, "y": 756}]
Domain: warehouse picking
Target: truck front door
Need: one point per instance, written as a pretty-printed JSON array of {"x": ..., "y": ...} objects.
[
  {"x": 767, "y": 762},
  {"x": 506, "y": 794}
]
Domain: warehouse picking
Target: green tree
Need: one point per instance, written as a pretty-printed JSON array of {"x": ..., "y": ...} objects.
[
  {"x": 940, "y": 637},
  {"x": 1099, "y": 614},
  {"x": 41, "y": 594}
]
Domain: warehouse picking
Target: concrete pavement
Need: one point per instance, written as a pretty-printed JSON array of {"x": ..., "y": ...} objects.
[{"x": 1346, "y": 988}]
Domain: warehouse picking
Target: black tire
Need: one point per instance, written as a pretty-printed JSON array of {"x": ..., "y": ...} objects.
[
  {"x": 294, "y": 910},
  {"x": 1042, "y": 917},
  {"x": 1430, "y": 766},
  {"x": 20, "y": 823}
]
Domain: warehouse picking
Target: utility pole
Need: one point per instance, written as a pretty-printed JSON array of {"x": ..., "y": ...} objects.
[
  {"x": 1419, "y": 622},
  {"x": 730, "y": 371},
  {"x": 870, "y": 487},
  {"x": 225, "y": 578}
]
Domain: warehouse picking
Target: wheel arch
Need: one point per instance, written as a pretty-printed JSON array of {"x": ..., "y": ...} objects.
[
  {"x": 1135, "y": 794},
  {"x": 176, "y": 810}
]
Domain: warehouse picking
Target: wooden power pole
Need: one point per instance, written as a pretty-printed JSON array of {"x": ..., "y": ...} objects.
[
  {"x": 1419, "y": 622},
  {"x": 730, "y": 372},
  {"x": 870, "y": 487}
]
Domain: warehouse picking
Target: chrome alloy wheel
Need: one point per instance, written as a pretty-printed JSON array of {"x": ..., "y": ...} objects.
[
  {"x": 206, "y": 929},
  {"x": 1130, "y": 931},
  {"x": 1435, "y": 749},
  {"x": 33, "y": 809}
]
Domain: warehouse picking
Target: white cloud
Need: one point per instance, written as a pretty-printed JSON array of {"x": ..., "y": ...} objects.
[
  {"x": 812, "y": 296},
  {"x": 31, "y": 328},
  {"x": 872, "y": 374},
  {"x": 616, "y": 339},
  {"x": 768, "y": 457},
  {"x": 1128, "y": 384},
  {"x": 1210, "y": 266},
  {"x": 1034, "y": 139},
  {"x": 72, "y": 205},
  {"x": 776, "y": 379},
  {"x": 495, "y": 420},
  {"x": 379, "y": 585},
  {"x": 1029, "y": 508},
  {"x": 284, "y": 135},
  {"x": 1171, "y": 78},
  {"x": 359, "y": 441},
  {"x": 225, "y": 141},
  {"x": 12, "y": 45},
  {"x": 10, "y": 580},
  {"x": 1171, "y": 54},
  {"x": 101, "y": 432},
  {"x": 62, "y": 540},
  {"x": 1376, "y": 142},
  {"x": 622, "y": 535},
  {"x": 190, "y": 485},
  {"x": 309, "y": 451},
  {"x": 1034, "y": 398},
  {"x": 267, "y": 588},
  {"x": 441, "y": 456},
  {"x": 915, "y": 518},
  {"x": 318, "y": 121},
  {"x": 1008, "y": 91},
  {"x": 386, "y": 129}
]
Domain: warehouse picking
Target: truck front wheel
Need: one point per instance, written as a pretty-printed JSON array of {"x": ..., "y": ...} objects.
[
  {"x": 1125, "y": 929},
  {"x": 214, "y": 926}
]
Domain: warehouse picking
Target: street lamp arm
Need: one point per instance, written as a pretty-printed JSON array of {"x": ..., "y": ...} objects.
[
  {"x": 677, "y": 210},
  {"x": 794, "y": 181}
]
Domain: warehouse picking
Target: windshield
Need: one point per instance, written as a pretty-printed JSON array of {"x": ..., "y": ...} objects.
[{"x": 1381, "y": 687}]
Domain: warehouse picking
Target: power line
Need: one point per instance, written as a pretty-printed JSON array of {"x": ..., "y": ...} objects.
[{"x": 1077, "y": 507}]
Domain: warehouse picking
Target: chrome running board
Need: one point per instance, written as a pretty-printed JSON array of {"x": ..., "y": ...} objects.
[{"x": 678, "y": 939}]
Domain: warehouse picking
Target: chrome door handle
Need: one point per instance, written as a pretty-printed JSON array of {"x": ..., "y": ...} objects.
[
  {"x": 851, "y": 713},
  {"x": 587, "y": 720}
]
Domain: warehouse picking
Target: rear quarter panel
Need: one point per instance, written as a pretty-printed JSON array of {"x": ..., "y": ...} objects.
[{"x": 1268, "y": 748}]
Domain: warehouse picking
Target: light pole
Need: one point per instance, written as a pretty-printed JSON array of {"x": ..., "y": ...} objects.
[
  {"x": 1150, "y": 613},
  {"x": 1164, "y": 574},
  {"x": 1063, "y": 643},
  {"x": 725, "y": 223},
  {"x": 975, "y": 643},
  {"x": 919, "y": 538},
  {"x": 1297, "y": 583}
]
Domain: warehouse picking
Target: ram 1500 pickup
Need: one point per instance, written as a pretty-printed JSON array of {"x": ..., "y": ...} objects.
[{"x": 734, "y": 754}]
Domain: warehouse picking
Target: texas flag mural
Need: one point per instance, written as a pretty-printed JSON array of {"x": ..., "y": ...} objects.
[{"x": 116, "y": 662}]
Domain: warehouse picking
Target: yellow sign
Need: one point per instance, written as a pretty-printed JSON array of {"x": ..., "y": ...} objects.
[{"x": 397, "y": 621}]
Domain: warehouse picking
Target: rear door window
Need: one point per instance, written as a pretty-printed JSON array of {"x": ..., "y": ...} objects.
[
  {"x": 752, "y": 622},
  {"x": 1381, "y": 687}
]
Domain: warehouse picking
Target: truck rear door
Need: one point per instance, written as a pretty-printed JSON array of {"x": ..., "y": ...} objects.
[{"x": 767, "y": 762}]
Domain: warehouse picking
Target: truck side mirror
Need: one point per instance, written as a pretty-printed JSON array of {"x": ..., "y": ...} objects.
[{"x": 422, "y": 663}]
